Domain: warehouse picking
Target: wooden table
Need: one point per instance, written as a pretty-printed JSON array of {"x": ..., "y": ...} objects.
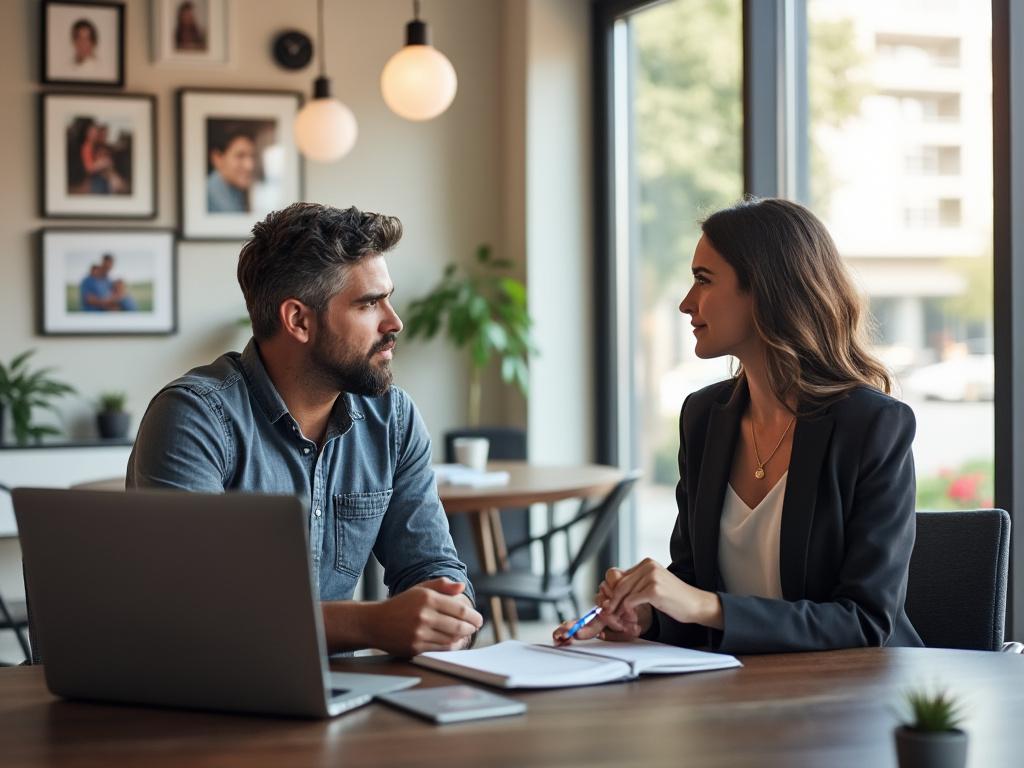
[
  {"x": 528, "y": 484},
  {"x": 815, "y": 709}
]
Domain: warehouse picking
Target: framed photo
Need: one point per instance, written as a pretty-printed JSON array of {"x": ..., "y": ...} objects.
[
  {"x": 190, "y": 32},
  {"x": 82, "y": 43},
  {"x": 238, "y": 160},
  {"x": 107, "y": 282},
  {"x": 98, "y": 155}
]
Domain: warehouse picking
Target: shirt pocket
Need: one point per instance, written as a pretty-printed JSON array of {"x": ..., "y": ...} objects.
[{"x": 357, "y": 522}]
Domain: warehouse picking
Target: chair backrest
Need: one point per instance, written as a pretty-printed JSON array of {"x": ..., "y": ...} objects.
[
  {"x": 956, "y": 592},
  {"x": 603, "y": 520},
  {"x": 507, "y": 443}
]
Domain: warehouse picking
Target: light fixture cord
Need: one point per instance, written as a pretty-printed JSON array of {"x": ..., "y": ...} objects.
[
  {"x": 320, "y": 36},
  {"x": 416, "y": 9}
]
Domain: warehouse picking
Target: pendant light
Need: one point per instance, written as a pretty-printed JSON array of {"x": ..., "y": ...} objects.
[
  {"x": 418, "y": 82},
  {"x": 325, "y": 129}
]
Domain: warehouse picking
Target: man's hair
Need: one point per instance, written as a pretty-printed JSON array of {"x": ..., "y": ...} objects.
[
  {"x": 87, "y": 25},
  {"x": 225, "y": 136},
  {"x": 302, "y": 252}
]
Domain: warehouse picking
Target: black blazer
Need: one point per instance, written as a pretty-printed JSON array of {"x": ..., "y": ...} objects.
[{"x": 847, "y": 526}]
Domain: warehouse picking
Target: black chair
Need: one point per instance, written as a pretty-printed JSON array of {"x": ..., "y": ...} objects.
[
  {"x": 956, "y": 591},
  {"x": 506, "y": 444},
  {"x": 14, "y": 614},
  {"x": 553, "y": 587}
]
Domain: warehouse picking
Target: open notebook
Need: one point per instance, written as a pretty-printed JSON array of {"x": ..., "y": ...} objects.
[{"x": 515, "y": 664}]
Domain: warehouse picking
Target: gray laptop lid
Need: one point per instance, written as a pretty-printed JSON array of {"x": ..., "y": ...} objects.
[{"x": 188, "y": 600}]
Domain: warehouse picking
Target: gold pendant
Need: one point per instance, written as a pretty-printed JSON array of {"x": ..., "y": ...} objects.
[{"x": 759, "y": 473}]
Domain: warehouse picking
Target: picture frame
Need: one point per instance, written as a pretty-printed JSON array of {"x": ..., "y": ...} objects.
[
  {"x": 82, "y": 43},
  {"x": 107, "y": 282},
  {"x": 98, "y": 155},
  {"x": 238, "y": 160},
  {"x": 191, "y": 32}
]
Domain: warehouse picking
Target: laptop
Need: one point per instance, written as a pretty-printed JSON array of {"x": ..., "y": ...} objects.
[{"x": 178, "y": 599}]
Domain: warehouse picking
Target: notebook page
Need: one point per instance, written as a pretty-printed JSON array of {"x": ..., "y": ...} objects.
[
  {"x": 515, "y": 664},
  {"x": 647, "y": 657}
]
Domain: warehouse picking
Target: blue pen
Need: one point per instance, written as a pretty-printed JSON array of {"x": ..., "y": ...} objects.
[{"x": 582, "y": 621}]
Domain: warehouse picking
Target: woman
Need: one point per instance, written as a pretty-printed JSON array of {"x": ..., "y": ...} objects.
[
  {"x": 188, "y": 35},
  {"x": 796, "y": 491}
]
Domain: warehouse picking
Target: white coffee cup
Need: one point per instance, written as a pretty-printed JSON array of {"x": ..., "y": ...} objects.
[{"x": 472, "y": 452}]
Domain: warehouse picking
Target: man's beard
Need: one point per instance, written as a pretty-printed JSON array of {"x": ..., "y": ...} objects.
[{"x": 350, "y": 370}]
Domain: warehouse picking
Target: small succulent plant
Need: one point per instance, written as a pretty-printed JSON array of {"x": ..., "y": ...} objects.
[{"x": 933, "y": 712}]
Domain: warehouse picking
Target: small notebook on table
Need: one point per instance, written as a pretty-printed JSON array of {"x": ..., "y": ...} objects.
[{"x": 515, "y": 664}]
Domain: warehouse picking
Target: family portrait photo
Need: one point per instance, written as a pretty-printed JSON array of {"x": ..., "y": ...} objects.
[
  {"x": 98, "y": 156},
  {"x": 107, "y": 282},
  {"x": 190, "y": 31},
  {"x": 99, "y": 160},
  {"x": 238, "y": 160},
  {"x": 83, "y": 43}
]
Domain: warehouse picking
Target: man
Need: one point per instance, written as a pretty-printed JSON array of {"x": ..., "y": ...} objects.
[
  {"x": 233, "y": 157},
  {"x": 94, "y": 290},
  {"x": 308, "y": 409},
  {"x": 101, "y": 293},
  {"x": 83, "y": 43}
]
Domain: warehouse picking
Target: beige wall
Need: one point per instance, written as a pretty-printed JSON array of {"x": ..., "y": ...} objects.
[
  {"x": 442, "y": 178},
  {"x": 557, "y": 204}
]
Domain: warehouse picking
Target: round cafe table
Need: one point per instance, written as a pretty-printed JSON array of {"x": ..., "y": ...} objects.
[{"x": 528, "y": 484}]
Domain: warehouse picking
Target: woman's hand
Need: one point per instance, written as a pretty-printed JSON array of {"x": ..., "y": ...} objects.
[
  {"x": 648, "y": 585},
  {"x": 622, "y": 626}
]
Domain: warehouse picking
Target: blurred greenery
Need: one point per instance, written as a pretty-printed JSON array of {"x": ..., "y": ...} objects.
[
  {"x": 689, "y": 121},
  {"x": 933, "y": 712},
  {"x": 975, "y": 302},
  {"x": 969, "y": 486},
  {"x": 22, "y": 390},
  {"x": 484, "y": 312},
  {"x": 113, "y": 402}
]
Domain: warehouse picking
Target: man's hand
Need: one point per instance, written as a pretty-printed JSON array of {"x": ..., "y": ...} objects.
[{"x": 432, "y": 616}]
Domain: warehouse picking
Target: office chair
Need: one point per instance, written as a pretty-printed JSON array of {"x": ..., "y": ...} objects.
[
  {"x": 956, "y": 590},
  {"x": 556, "y": 587},
  {"x": 14, "y": 614}
]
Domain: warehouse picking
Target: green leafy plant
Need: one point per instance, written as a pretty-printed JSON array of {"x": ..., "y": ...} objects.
[
  {"x": 22, "y": 389},
  {"x": 484, "y": 312},
  {"x": 113, "y": 402},
  {"x": 933, "y": 712}
]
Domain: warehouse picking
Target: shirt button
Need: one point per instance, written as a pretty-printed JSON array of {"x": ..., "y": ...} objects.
[
  {"x": 305, "y": 451},
  {"x": 316, "y": 512}
]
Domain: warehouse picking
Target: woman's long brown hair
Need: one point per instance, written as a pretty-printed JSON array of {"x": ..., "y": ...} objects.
[{"x": 806, "y": 309}]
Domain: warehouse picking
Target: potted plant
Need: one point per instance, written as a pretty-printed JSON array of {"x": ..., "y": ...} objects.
[
  {"x": 484, "y": 312},
  {"x": 21, "y": 390},
  {"x": 112, "y": 421},
  {"x": 932, "y": 737}
]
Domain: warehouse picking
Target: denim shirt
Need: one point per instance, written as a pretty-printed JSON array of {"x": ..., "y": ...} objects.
[{"x": 224, "y": 427}]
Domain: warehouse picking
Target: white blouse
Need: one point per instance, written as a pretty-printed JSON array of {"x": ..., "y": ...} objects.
[{"x": 748, "y": 543}]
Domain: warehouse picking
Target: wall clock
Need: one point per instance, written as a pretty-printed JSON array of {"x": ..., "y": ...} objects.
[{"x": 292, "y": 49}]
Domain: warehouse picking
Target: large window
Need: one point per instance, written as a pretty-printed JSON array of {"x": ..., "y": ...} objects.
[
  {"x": 901, "y": 159},
  {"x": 878, "y": 116},
  {"x": 683, "y": 107}
]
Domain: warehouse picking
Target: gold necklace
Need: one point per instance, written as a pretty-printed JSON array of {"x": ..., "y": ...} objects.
[{"x": 759, "y": 472}]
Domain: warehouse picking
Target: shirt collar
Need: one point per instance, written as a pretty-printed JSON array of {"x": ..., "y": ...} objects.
[{"x": 343, "y": 414}]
